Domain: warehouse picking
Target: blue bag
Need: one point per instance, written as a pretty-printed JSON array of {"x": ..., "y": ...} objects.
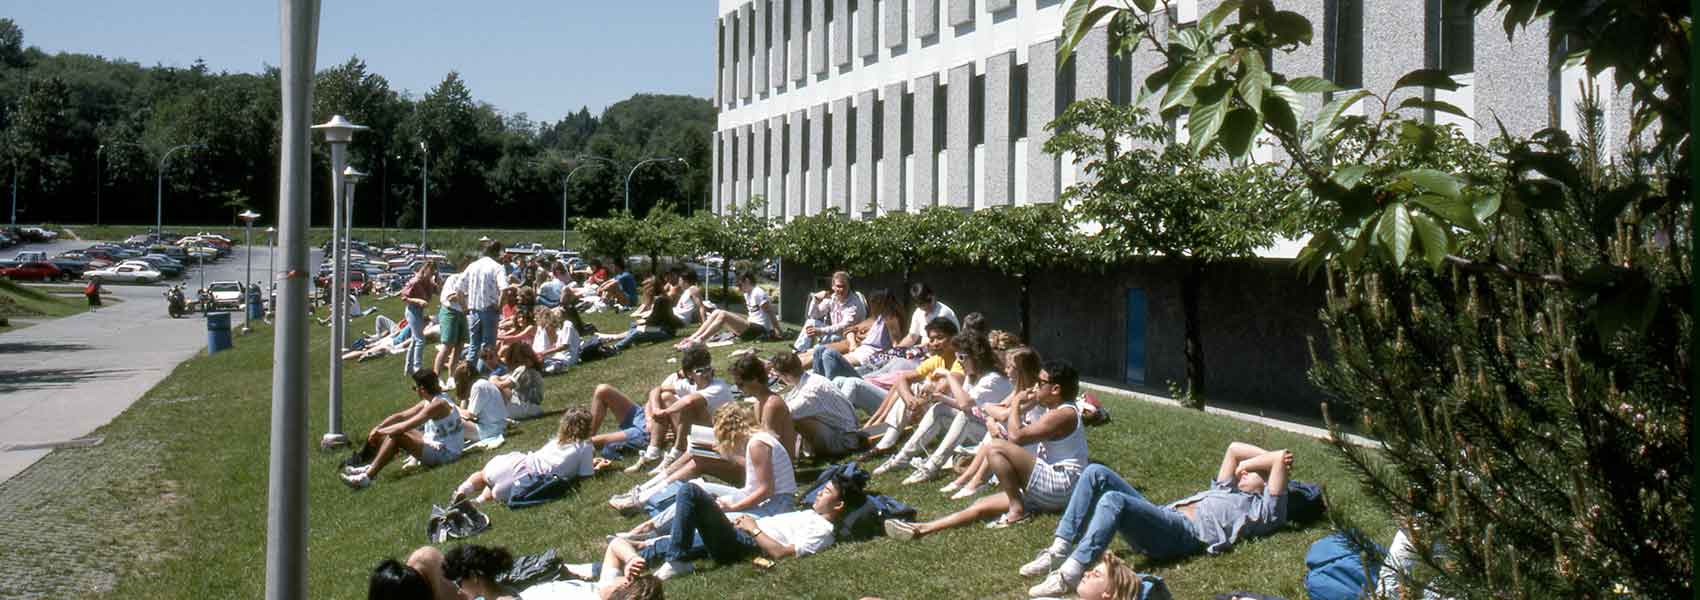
[{"x": 1336, "y": 571}]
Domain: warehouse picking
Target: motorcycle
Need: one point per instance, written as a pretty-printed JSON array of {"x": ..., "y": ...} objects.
[
  {"x": 205, "y": 299},
  {"x": 174, "y": 303}
]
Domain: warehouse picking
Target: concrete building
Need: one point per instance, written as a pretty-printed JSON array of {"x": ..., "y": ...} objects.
[{"x": 871, "y": 106}]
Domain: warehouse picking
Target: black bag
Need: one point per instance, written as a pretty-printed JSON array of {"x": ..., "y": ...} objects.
[
  {"x": 459, "y": 520},
  {"x": 530, "y": 570},
  {"x": 1305, "y": 503},
  {"x": 361, "y": 456},
  {"x": 868, "y": 521},
  {"x": 532, "y": 490}
]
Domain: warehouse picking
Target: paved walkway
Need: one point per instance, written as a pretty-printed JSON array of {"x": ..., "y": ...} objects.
[{"x": 63, "y": 378}]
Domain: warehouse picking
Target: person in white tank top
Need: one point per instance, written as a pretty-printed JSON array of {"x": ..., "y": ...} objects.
[{"x": 1028, "y": 482}]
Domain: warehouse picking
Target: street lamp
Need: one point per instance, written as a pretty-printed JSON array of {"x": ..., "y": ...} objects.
[
  {"x": 639, "y": 166},
  {"x": 338, "y": 133},
  {"x": 350, "y": 178},
  {"x": 424, "y": 192},
  {"x": 159, "y": 189},
  {"x": 567, "y": 180},
  {"x": 248, "y": 298}
]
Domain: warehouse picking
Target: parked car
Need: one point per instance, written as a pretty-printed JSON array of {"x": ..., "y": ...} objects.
[
  {"x": 126, "y": 272},
  {"x": 88, "y": 261},
  {"x": 163, "y": 264},
  {"x": 226, "y": 294},
  {"x": 29, "y": 256},
  {"x": 32, "y": 271},
  {"x": 73, "y": 268},
  {"x": 7, "y": 240},
  {"x": 36, "y": 234}
]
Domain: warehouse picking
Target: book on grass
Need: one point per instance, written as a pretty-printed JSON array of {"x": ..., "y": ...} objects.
[{"x": 702, "y": 442}]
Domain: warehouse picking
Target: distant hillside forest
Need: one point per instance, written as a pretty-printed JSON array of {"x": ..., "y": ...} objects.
[{"x": 72, "y": 122}]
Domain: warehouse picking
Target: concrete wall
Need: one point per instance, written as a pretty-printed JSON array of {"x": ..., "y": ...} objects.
[{"x": 1255, "y": 316}]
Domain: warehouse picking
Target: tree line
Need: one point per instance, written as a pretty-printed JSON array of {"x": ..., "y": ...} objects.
[{"x": 77, "y": 127}]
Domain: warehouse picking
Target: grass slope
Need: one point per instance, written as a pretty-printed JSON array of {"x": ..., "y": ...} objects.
[
  {"x": 211, "y": 420},
  {"x": 17, "y": 300}
]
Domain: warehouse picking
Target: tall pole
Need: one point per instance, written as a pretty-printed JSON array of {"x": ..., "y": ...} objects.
[
  {"x": 338, "y": 133},
  {"x": 286, "y": 495},
  {"x": 424, "y": 192},
  {"x": 634, "y": 172},
  {"x": 159, "y": 190},
  {"x": 568, "y": 180},
  {"x": 97, "y": 182},
  {"x": 248, "y": 274}
]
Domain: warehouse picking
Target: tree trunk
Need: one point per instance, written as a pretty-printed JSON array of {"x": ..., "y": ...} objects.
[
  {"x": 725, "y": 274},
  {"x": 1192, "y": 276}
]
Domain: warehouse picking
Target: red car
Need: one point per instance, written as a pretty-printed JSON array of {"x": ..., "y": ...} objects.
[{"x": 32, "y": 271}]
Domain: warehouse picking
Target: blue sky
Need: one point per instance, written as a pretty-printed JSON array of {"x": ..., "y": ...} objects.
[{"x": 542, "y": 58}]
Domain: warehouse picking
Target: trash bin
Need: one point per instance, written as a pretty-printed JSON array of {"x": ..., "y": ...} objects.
[
  {"x": 256, "y": 310},
  {"x": 218, "y": 331}
]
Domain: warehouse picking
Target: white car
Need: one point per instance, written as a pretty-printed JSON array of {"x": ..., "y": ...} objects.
[
  {"x": 226, "y": 294},
  {"x": 130, "y": 271}
]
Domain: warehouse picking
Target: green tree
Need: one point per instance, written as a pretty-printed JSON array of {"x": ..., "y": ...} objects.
[
  {"x": 905, "y": 241},
  {"x": 1019, "y": 242},
  {"x": 611, "y": 236},
  {"x": 1157, "y": 199}
]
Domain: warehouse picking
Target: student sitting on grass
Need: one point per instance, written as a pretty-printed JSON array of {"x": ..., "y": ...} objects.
[
  {"x": 760, "y": 322},
  {"x": 911, "y": 390},
  {"x": 871, "y": 339},
  {"x": 1022, "y": 365},
  {"x": 1030, "y": 481},
  {"x": 772, "y": 413},
  {"x": 568, "y": 455},
  {"x": 688, "y": 305},
  {"x": 824, "y": 420},
  {"x": 687, "y": 397},
  {"x": 438, "y": 441},
  {"x": 659, "y": 324},
  {"x": 982, "y": 382},
  {"x": 701, "y": 528},
  {"x": 829, "y": 313},
  {"x": 521, "y": 381},
  {"x": 1247, "y": 499},
  {"x": 483, "y": 410},
  {"x": 557, "y": 341},
  {"x": 769, "y": 481}
]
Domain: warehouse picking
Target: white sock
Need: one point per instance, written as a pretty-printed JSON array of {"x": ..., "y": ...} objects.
[
  {"x": 1059, "y": 547},
  {"x": 651, "y": 453},
  {"x": 1071, "y": 572}
]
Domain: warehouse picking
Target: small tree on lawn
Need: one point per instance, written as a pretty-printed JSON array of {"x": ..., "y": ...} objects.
[
  {"x": 1156, "y": 199},
  {"x": 662, "y": 233},
  {"x": 609, "y": 236},
  {"x": 747, "y": 235},
  {"x": 1020, "y": 241},
  {"x": 825, "y": 242}
]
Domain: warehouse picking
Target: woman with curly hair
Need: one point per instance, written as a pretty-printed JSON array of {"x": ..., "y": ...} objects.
[
  {"x": 982, "y": 382},
  {"x": 769, "y": 480},
  {"x": 567, "y": 456}
]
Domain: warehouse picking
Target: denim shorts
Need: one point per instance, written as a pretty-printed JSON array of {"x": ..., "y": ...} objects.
[
  {"x": 432, "y": 456},
  {"x": 637, "y": 434}
]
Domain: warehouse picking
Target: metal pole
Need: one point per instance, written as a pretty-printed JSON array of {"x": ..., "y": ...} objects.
[
  {"x": 338, "y": 298},
  {"x": 14, "y": 191},
  {"x": 564, "y": 210},
  {"x": 347, "y": 253},
  {"x": 286, "y": 496},
  {"x": 424, "y": 192},
  {"x": 248, "y": 275},
  {"x": 159, "y": 191},
  {"x": 97, "y": 182},
  {"x": 634, "y": 172}
]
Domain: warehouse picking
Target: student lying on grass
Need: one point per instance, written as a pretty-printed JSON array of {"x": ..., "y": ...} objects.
[
  {"x": 470, "y": 571},
  {"x": 437, "y": 441},
  {"x": 769, "y": 481},
  {"x": 1029, "y": 480},
  {"x": 1248, "y": 498},
  {"x": 569, "y": 455},
  {"x": 701, "y": 528}
]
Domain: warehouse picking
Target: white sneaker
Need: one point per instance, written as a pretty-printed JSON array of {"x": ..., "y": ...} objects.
[
  {"x": 360, "y": 470},
  {"x": 1053, "y": 586},
  {"x": 967, "y": 492},
  {"x": 642, "y": 536},
  {"x": 890, "y": 463},
  {"x": 358, "y": 481},
  {"x": 666, "y": 462},
  {"x": 643, "y": 458},
  {"x": 1042, "y": 564},
  {"x": 925, "y": 473},
  {"x": 899, "y": 530},
  {"x": 626, "y": 503},
  {"x": 950, "y": 487},
  {"x": 674, "y": 568}
]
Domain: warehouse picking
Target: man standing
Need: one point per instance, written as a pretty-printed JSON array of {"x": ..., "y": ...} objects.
[{"x": 483, "y": 282}]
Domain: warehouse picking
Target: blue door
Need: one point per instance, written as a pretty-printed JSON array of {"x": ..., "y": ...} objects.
[{"x": 1135, "y": 335}]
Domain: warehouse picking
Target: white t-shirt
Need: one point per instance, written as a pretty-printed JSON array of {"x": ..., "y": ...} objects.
[
  {"x": 561, "y": 590},
  {"x": 567, "y": 337},
  {"x": 566, "y": 462},
  {"x": 990, "y": 389},
  {"x": 717, "y": 392},
  {"x": 784, "y": 476},
  {"x": 489, "y": 409},
  {"x": 918, "y": 322},
  {"x": 452, "y": 285},
  {"x": 756, "y": 302},
  {"x": 816, "y": 396},
  {"x": 804, "y": 530},
  {"x": 686, "y": 309}
]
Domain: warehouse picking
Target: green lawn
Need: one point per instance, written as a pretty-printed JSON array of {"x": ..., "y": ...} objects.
[
  {"x": 35, "y": 302},
  {"x": 209, "y": 421}
]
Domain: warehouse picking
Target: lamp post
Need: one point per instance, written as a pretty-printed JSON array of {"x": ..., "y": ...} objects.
[
  {"x": 248, "y": 297},
  {"x": 338, "y": 133},
  {"x": 424, "y": 192},
  {"x": 271, "y": 267},
  {"x": 350, "y": 177},
  {"x": 159, "y": 189},
  {"x": 639, "y": 166}
]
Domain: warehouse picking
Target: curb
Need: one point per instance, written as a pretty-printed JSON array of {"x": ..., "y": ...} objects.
[{"x": 1288, "y": 426}]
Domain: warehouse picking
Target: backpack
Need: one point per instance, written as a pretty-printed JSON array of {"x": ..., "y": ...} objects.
[
  {"x": 531, "y": 569},
  {"x": 361, "y": 456},
  {"x": 533, "y": 489},
  {"x": 459, "y": 520},
  {"x": 1305, "y": 502},
  {"x": 1335, "y": 570},
  {"x": 867, "y": 521}
]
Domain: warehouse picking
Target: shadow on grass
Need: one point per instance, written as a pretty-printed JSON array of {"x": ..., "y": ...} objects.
[
  {"x": 22, "y": 347},
  {"x": 17, "y": 381}
]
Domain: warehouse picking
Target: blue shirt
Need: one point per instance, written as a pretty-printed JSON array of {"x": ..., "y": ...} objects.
[
  {"x": 1225, "y": 514},
  {"x": 549, "y": 294},
  {"x": 628, "y": 284}
]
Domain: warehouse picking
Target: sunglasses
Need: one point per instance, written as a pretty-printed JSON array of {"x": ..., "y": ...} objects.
[{"x": 703, "y": 371}]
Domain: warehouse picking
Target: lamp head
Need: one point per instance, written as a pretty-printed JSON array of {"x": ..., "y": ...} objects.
[
  {"x": 248, "y": 215},
  {"x": 339, "y": 130},
  {"x": 352, "y": 175}
]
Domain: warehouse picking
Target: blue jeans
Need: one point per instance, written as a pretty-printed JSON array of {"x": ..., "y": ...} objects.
[
  {"x": 644, "y": 335},
  {"x": 416, "y": 330},
  {"x": 830, "y": 363},
  {"x": 483, "y": 327},
  {"x": 1106, "y": 504},
  {"x": 698, "y": 520}
]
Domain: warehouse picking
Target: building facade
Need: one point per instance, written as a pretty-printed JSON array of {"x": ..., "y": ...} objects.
[{"x": 870, "y": 106}]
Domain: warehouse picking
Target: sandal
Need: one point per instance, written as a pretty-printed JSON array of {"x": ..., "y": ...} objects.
[{"x": 1004, "y": 522}]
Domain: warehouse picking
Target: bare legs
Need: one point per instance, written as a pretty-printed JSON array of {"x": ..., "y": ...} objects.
[
  {"x": 607, "y": 401},
  {"x": 713, "y": 324},
  {"x": 985, "y": 508},
  {"x": 1013, "y": 465}
]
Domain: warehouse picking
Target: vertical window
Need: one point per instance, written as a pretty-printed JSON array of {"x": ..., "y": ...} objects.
[
  {"x": 1018, "y": 102},
  {"x": 1344, "y": 53},
  {"x": 977, "y": 110},
  {"x": 1457, "y": 37}
]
